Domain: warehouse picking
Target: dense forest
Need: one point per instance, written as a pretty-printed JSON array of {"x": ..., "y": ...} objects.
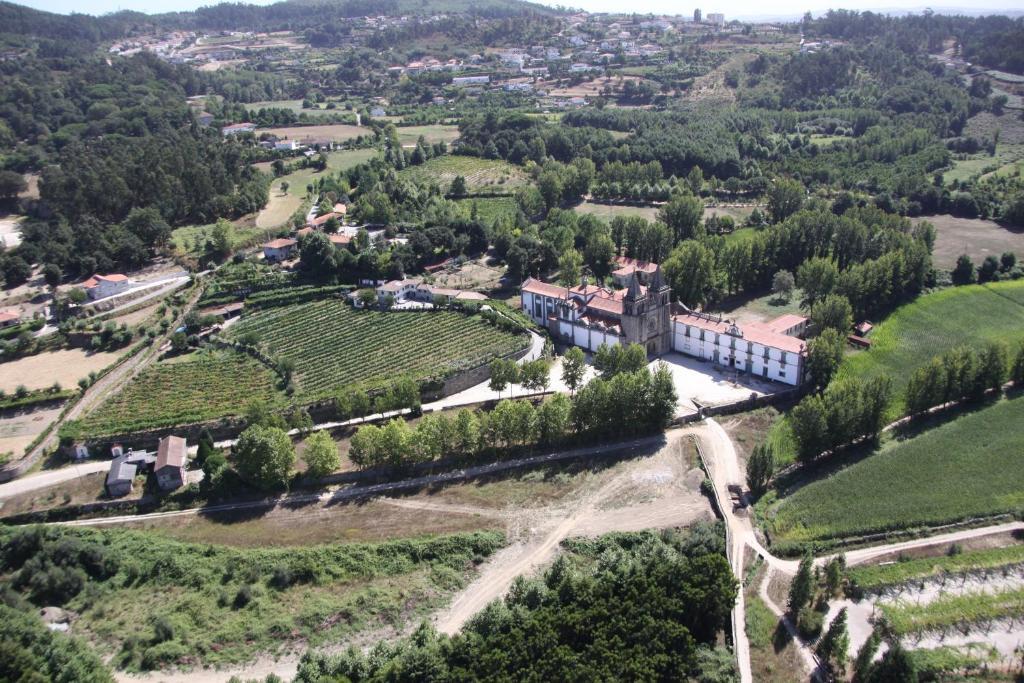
[{"x": 639, "y": 606}]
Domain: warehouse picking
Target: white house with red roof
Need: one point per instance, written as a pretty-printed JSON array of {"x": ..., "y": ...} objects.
[
  {"x": 10, "y": 317},
  {"x": 641, "y": 313},
  {"x": 280, "y": 249},
  {"x": 102, "y": 286}
]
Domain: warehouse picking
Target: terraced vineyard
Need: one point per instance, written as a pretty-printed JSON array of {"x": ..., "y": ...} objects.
[
  {"x": 482, "y": 175},
  {"x": 210, "y": 386},
  {"x": 334, "y": 345}
]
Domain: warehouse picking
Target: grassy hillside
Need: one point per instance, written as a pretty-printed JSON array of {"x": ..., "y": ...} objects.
[
  {"x": 154, "y": 603},
  {"x": 968, "y": 467},
  {"x": 935, "y": 323},
  {"x": 334, "y": 345}
]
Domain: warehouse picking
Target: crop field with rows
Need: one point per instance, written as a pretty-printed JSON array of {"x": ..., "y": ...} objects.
[
  {"x": 934, "y": 324},
  {"x": 877, "y": 576},
  {"x": 968, "y": 467},
  {"x": 951, "y": 612},
  {"x": 482, "y": 175},
  {"x": 208, "y": 386},
  {"x": 335, "y": 346}
]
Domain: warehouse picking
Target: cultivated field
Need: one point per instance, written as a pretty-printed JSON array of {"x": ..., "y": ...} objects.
[
  {"x": 975, "y": 237},
  {"x": 935, "y": 323},
  {"x": 408, "y": 135},
  {"x": 334, "y": 346},
  {"x": 338, "y": 132},
  {"x": 610, "y": 211},
  {"x": 490, "y": 208},
  {"x": 65, "y": 367},
  {"x": 200, "y": 387},
  {"x": 968, "y": 467},
  {"x": 190, "y": 240},
  {"x": 482, "y": 175}
]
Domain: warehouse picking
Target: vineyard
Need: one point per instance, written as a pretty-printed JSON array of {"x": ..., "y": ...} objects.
[
  {"x": 934, "y": 324},
  {"x": 209, "y": 386},
  {"x": 873, "y": 578},
  {"x": 333, "y": 345},
  {"x": 488, "y": 176},
  {"x": 968, "y": 467},
  {"x": 948, "y": 611}
]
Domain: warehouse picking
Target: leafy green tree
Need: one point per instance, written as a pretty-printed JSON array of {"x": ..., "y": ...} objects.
[
  {"x": 801, "y": 590},
  {"x": 824, "y": 354},
  {"x": 321, "y": 455},
  {"x": 570, "y": 268},
  {"x": 760, "y": 468},
  {"x": 683, "y": 214},
  {"x": 364, "y": 446},
  {"x": 833, "y": 645},
  {"x": 783, "y": 284},
  {"x": 53, "y": 275},
  {"x": 862, "y": 664},
  {"x": 817, "y": 277},
  {"x": 690, "y": 271},
  {"x": 503, "y": 373},
  {"x": 963, "y": 272},
  {"x": 534, "y": 375},
  {"x": 785, "y": 197},
  {"x": 598, "y": 254},
  {"x": 832, "y": 312},
  {"x": 1017, "y": 372},
  {"x": 467, "y": 432},
  {"x": 458, "y": 188},
  {"x": 834, "y": 571},
  {"x": 896, "y": 666},
  {"x": 553, "y": 418},
  {"x": 316, "y": 256},
  {"x": 574, "y": 368},
  {"x": 219, "y": 244},
  {"x": 264, "y": 456}
]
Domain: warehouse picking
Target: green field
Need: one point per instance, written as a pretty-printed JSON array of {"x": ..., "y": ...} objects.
[
  {"x": 934, "y": 324},
  {"x": 408, "y": 135},
  {"x": 334, "y": 346},
  {"x": 482, "y": 175},
  {"x": 200, "y": 387},
  {"x": 340, "y": 160},
  {"x": 610, "y": 211},
  {"x": 190, "y": 240},
  {"x": 968, "y": 467},
  {"x": 490, "y": 208},
  {"x": 874, "y": 577}
]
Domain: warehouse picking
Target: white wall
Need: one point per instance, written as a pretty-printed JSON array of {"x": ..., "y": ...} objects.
[{"x": 747, "y": 356}]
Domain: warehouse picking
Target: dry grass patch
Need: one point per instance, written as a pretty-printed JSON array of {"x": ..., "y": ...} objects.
[
  {"x": 975, "y": 237},
  {"x": 65, "y": 367}
]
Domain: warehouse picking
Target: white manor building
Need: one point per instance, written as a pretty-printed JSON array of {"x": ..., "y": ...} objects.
[{"x": 588, "y": 316}]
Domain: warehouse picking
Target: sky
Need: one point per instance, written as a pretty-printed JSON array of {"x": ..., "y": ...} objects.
[{"x": 733, "y": 9}]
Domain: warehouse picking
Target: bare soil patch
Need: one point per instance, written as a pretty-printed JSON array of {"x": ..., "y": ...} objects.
[
  {"x": 40, "y": 371},
  {"x": 975, "y": 237},
  {"x": 338, "y": 132},
  {"x": 595, "y": 87},
  {"x": 18, "y": 430},
  {"x": 88, "y": 488}
]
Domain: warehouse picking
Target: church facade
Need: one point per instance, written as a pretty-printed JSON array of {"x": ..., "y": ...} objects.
[{"x": 640, "y": 311}]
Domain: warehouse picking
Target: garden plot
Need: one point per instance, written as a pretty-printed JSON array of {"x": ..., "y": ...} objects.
[{"x": 482, "y": 175}]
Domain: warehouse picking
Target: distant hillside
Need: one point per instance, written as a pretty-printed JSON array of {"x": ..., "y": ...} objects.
[{"x": 24, "y": 26}]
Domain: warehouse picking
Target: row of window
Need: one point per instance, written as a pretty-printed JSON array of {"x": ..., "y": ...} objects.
[{"x": 732, "y": 341}]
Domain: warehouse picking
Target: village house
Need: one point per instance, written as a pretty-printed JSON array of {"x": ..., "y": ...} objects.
[
  {"x": 640, "y": 312},
  {"x": 280, "y": 249},
  {"x": 102, "y": 286},
  {"x": 237, "y": 129},
  {"x": 9, "y": 318},
  {"x": 414, "y": 289},
  {"x": 121, "y": 476},
  {"x": 171, "y": 458}
]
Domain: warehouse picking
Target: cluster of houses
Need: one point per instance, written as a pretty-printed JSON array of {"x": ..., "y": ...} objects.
[
  {"x": 398, "y": 292},
  {"x": 168, "y": 464},
  {"x": 638, "y": 310}
]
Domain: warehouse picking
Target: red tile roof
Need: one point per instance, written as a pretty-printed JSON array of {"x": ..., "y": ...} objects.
[
  {"x": 320, "y": 220},
  {"x": 170, "y": 453},
  {"x": 785, "y": 322},
  {"x": 7, "y": 316},
  {"x": 280, "y": 243},
  {"x": 759, "y": 333},
  {"x": 340, "y": 240},
  {"x": 113, "y": 277}
]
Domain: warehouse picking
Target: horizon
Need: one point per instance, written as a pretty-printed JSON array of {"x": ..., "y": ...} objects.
[{"x": 742, "y": 10}]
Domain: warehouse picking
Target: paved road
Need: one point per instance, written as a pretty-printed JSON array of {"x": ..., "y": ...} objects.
[{"x": 44, "y": 480}]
